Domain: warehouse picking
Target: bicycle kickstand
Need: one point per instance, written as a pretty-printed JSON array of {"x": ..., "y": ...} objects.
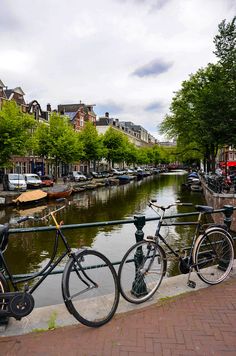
[{"x": 190, "y": 283}]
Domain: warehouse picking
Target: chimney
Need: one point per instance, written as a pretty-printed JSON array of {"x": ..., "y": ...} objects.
[
  {"x": 49, "y": 107},
  {"x": 107, "y": 114}
]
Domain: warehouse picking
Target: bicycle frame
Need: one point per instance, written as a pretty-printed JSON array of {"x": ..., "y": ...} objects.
[
  {"x": 44, "y": 272},
  {"x": 163, "y": 240}
]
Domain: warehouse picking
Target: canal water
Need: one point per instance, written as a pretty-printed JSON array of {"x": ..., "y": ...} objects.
[{"x": 29, "y": 252}]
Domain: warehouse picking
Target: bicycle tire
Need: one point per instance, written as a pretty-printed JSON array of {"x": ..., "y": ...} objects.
[
  {"x": 95, "y": 306},
  {"x": 213, "y": 255},
  {"x": 136, "y": 284},
  {"x": 4, "y": 288}
]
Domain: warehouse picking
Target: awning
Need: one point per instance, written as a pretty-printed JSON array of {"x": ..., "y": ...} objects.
[{"x": 229, "y": 164}]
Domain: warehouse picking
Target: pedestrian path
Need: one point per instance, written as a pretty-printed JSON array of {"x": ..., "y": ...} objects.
[{"x": 201, "y": 322}]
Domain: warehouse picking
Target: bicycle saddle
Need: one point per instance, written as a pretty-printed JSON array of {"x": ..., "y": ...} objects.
[
  {"x": 4, "y": 237},
  {"x": 204, "y": 208}
]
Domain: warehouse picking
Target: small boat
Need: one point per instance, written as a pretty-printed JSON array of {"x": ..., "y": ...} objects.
[
  {"x": 34, "y": 196},
  {"x": 59, "y": 192},
  {"x": 123, "y": 179},
  {"x": 196, "y": 188}
]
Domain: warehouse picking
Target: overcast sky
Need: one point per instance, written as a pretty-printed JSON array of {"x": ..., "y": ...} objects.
[{"x": 126, "y": 56}]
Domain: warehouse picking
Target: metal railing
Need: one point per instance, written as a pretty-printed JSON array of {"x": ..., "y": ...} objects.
[
  {"x": 139, "y": 221},
  {"x": 219, "y": 185}
]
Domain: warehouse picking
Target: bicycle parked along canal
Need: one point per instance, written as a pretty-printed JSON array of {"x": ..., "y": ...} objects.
[
  {"x": 144, "y": 265},
  {"x": 87, "y": 278}
]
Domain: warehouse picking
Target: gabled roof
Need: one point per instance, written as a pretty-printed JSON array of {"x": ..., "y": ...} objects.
[
  {"x": 18, "y": 90},
  {"x": 10, "y": 92},
  {"x": 2, "y": 85}
]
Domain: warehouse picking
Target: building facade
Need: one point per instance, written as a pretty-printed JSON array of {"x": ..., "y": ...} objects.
[{"x": 135, "y": 133}]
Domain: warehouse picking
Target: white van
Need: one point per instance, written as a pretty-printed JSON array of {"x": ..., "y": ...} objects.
[
  {"x": 32, "y": 180},
  {"x": 14, "y": 181}
]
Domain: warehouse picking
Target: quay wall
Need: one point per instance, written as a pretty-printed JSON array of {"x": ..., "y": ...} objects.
[{"x": 218, "y": 201}]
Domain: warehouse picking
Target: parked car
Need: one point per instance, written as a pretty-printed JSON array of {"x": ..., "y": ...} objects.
[
  {"x": 14, "y": 181},
  {"x": 33, "y": 180},
  {"x": 76, "y": 176},
  {"x": 47, "y": 181}
]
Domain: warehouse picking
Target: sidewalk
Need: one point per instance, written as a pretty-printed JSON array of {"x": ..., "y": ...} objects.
[{"x": 201, "y": 322}]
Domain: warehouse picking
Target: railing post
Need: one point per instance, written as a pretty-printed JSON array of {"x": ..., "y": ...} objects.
[
  {"x": 139, "y": 287},
  {"x": 139, "y": 224},
  {"x": 228, "y": 215}
]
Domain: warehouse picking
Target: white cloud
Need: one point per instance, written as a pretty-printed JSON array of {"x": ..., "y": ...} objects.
[{"x": 64, "y": 51}]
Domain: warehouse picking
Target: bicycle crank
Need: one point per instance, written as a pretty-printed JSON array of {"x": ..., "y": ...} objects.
[
  {"x": 184, "y": 265},
  {"x": 16, "y": 304}
]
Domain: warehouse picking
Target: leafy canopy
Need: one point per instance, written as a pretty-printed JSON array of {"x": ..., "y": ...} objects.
[{"x": 15, "y": 132}]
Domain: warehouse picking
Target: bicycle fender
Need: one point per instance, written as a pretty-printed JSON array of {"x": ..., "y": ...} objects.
[{"x": 221, "y": 229}]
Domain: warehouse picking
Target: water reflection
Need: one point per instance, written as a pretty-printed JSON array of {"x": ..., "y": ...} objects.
[{"x": 30, "y": 252}]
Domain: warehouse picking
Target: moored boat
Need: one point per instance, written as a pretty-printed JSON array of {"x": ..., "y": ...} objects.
[
  {"x": 59, "y": 192},
  {"x": 123, "y": 179},
  {"x": 34, "y": 196}
]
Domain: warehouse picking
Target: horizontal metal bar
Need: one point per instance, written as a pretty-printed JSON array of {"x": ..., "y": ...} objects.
[{"x": 108, "y": 223}]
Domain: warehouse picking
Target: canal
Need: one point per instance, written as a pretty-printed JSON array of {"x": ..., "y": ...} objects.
[{"x": 28, "y": 253}]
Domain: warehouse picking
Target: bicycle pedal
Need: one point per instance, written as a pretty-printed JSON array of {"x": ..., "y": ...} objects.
[{"x": 191, "y": 284}]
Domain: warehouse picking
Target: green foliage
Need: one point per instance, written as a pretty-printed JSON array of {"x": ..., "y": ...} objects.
[
  {"x": 225, "y": 43},
  {"x": 131, "y": 152},
  {"x": 15, "y": 132},
  {"x": 203, "y": 111},
  {"x": 115, "y": 144},
  {"x": 92, "y": 147},
  {"x": 52, "y": 320},
  {"x": 58, "y": 140}
]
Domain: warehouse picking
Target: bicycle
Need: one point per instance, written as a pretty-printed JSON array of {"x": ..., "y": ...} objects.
[
  {"x": 86, "y": 278},
  {"x": 144, "y": 265}
]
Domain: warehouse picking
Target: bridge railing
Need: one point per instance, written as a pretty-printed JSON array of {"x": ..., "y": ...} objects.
[{"x": 139, "y": 221}]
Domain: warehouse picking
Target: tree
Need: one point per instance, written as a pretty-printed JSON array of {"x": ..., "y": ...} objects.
[
  {"x": 115, "y": 145},
  {"x": 201, "y": 114},
  {"x": 225, "y": 42},
  {"x": 92, "y": 146},
  {"x": 15, "y": 134},
  {"x": 203, "y": 111},
  {"x": 131, "y": 152},
  {"x": 58, "y": 140}
]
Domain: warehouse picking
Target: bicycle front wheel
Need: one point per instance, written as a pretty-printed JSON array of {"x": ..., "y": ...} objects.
[
  {"x": 90, "y": 288},
  {"x": 213, "y": 256},
  {"x": 141, "y": 271}
]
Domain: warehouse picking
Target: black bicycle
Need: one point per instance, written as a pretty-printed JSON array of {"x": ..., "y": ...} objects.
[
  {"x": 144, "y": 265},
  {"x": 89, "y": 281}
]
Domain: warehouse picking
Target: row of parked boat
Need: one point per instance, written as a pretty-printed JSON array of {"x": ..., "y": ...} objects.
[{"x": 64, "y": 191}]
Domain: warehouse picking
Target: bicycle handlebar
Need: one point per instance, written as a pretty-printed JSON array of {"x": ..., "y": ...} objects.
[{"x": 153, "y": 201}]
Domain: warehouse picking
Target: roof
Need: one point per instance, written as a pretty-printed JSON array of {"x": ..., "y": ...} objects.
[
  {"x": 2, "y": 85},
  {"x": 17, "y": 90},
  {"x": 70, "y": 114},
  {"x": 66, "y": 108}
]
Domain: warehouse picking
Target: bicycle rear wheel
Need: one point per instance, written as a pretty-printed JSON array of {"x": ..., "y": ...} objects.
[
  {"x": 141, "y": 271},
  {"x": 4, "y": 288},
  {"x": 213, "y": 256},
  {"x": 90, "y": 288}
]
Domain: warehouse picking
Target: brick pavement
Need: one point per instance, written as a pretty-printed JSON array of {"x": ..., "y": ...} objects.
[{"x": 201, "y": 322}]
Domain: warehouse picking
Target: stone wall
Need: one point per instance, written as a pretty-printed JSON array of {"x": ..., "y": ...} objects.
[{"x": 218, "y": 201}]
